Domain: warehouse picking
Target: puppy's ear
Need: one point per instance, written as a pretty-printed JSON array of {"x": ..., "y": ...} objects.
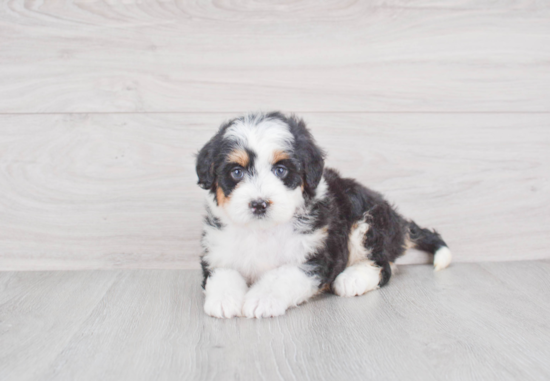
[
  {"x": 311, "y": 156},
  {"x": 205, "y": 164},
  {"x": 314, "y": 164}
]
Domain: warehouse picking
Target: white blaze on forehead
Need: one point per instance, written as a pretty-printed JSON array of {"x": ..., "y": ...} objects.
[{"x": 264, "y": 137}]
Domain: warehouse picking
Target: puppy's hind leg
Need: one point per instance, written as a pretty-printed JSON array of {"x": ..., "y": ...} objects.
[{"x": 359, "y": 279}]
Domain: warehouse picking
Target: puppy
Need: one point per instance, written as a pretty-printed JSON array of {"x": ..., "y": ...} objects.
[{"x": 281, "y": 228}]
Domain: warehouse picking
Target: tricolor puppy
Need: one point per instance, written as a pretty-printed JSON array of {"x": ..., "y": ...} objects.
[{"x": 281, "y": 228}]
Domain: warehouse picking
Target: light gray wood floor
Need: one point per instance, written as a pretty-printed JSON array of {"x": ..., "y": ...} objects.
[{"x": 485, "y": 321}]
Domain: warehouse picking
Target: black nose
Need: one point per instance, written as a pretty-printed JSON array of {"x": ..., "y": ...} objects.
[{"x": 259, "y": 206}]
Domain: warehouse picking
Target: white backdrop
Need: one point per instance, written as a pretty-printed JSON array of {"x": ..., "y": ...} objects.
[{"x": 443, "y": 107}]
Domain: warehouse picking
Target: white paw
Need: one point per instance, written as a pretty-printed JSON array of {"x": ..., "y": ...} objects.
[
  {"x": 224, "y": 291},
  {"x": 442, "y": 258},
  {"x": 226, "y": 306},
  {"x": 266, "y": 305},
  {"x": 357, "y": 280}
]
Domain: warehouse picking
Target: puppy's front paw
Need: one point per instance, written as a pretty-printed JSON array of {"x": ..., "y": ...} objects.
[
  {"x": 263, "y": 305},
  {"x": 226, "y": 306}
]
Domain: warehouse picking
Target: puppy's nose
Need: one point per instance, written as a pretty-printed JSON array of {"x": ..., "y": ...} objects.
[{"x": 259, "y": 207}]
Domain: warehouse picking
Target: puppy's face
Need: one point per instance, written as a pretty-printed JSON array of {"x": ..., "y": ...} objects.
[{"x": 260, "y": 169}]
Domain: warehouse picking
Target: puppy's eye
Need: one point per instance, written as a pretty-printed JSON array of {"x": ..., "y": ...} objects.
[
  {"x": 237, "y": 173},
  {"x": 280, "y": 171}
]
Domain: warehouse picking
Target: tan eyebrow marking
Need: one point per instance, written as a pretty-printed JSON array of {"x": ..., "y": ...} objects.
[
  {"x": 279, "y": 155},
  {"x": 238, "y": 156}
]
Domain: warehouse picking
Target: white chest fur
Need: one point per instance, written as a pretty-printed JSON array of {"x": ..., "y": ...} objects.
[{"x": 252, "y": 252}]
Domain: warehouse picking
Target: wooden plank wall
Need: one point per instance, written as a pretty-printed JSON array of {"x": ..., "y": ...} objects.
[{"x": 442, "y": 106}]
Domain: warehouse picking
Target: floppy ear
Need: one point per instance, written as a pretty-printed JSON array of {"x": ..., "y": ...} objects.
[
  {"x": 314, "y": 163},
  {"x": 311, "y": 156},
  {"x": 205, "y": 164}
]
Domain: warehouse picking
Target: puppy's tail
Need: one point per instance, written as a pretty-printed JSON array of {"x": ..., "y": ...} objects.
[{"x": 429, "y": 241}]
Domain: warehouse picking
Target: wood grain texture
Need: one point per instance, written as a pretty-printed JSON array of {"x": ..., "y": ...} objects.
[
  {"x": 119, "y": 191},
  {"x": 469, "y": 322},
  {"x": 233, "y": 56}
]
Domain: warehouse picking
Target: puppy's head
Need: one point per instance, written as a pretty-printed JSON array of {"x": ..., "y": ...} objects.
[{"x": 261, "y": 168}]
